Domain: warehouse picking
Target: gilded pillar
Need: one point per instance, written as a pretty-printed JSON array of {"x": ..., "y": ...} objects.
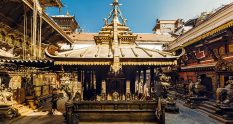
[
  {"x": 94, "y": 80},
  {"x": 128, "y": 94},
  {"x": 136, "y": 82},
  {"x": 127, "y": 86},
  {"x": 152, "y": 78},
  {"x": 103, "y": 90}
]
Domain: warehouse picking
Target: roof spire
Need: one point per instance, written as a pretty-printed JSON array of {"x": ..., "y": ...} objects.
[
  {"x": 115, "y": 14},
  {"x": 67, "y": 13}
]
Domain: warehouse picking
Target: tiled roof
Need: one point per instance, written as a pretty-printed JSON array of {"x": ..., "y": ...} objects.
[
  {"x": 154, "y": 37},
  {"x": 82, "y": 36}
]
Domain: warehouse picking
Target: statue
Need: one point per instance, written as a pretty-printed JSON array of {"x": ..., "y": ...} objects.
[
  {"x": 225, "y": 99},
  {"x": 199, "y": 89},
  {"x": 128, "y": 96},
  {"x": 191, "y": 88},
  {"x": 103, "y": 96},
  {"x": 6, "y": 95},
  {"x": 115, "y": 96},
  {"x": 105, "y": 21},
  {"x": 196, "y": 94},
  {"x": 124, "y": 22},
  {"x": 196, "y": 89},
  {"x": 163, "y": 86},
  {"x": 77, "y": 97}
]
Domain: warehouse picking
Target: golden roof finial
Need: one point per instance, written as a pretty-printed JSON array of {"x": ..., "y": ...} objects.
[{"x": 67, "y": 13}]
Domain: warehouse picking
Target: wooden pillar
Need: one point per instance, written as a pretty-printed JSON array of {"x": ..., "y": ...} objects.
[
  {"x": 144, "y": 76},
  {"x": 91, "y": 81},
  {"x": 152, "y": 78},
  {"x": 144, "y": 81},
  {"x": 139, "y": 75},
  {"x": 222, "y": 81},
  {"x": 139, "y": 82},
  {"x": 94, "y": 80},
  {"x": 136, "y": 82}
]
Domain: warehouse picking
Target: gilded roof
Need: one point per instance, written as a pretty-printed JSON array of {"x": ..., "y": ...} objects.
[
  {"x": 104, "y": 51},
  {"x": 142, "y": 37},
  {"x": 115, "y": 45}
]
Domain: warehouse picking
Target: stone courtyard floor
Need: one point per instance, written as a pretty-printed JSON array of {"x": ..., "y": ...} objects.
[
  {"x": 189, "y": 116},
  {"x": 185, "y": 116}
]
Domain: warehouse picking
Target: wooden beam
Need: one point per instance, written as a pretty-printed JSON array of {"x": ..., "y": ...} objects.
[
  {"x": 49, "y": 36},
  {"x": 17, "y": 21},
  {"x": 14, "y": 9}
]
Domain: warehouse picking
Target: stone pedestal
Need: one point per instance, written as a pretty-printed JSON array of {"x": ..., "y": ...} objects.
[{"x": 69, "y": 112}]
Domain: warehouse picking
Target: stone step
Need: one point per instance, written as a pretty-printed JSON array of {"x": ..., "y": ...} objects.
[
  {"x": 208, "y": 106},
  {"x": 210, "y": 103},
  {"x": 212, "y": 114},
  {"x": 221, "y": 119},
  {"x": 211, "y": 111}
]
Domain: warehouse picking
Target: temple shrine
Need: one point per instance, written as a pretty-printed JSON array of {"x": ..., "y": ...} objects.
[
  {"x": 114, "y": 63},
  {"x": 113, "y": 75}
]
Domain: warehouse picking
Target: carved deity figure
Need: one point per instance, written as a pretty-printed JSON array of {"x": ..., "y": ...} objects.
[
  {"x": 128, "y": 96},
  {"x": 199, "y": 89},
  {"x": 191, "y": 87},
  {"x": 115, "y": 96},
  {"x": 225, "y": 95},
  {"x": 77, "y": 97}
]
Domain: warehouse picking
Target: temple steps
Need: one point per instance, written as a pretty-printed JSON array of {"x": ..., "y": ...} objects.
[{"x": 209, "y": 108}]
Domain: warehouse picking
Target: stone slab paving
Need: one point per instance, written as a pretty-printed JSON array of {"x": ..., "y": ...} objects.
[{"x": 189, "y": 116}]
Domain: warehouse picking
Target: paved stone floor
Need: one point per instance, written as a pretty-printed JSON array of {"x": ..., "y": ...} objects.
[
  {"x": 186, "y": 116},
  {"x": 189, "y": 116}
]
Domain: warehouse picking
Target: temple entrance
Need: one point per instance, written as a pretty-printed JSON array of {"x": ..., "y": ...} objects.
[{"x": 116, "y": 85}]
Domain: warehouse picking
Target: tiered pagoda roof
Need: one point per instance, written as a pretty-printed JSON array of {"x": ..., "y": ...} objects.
[{"x": 115, "y": 46}]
